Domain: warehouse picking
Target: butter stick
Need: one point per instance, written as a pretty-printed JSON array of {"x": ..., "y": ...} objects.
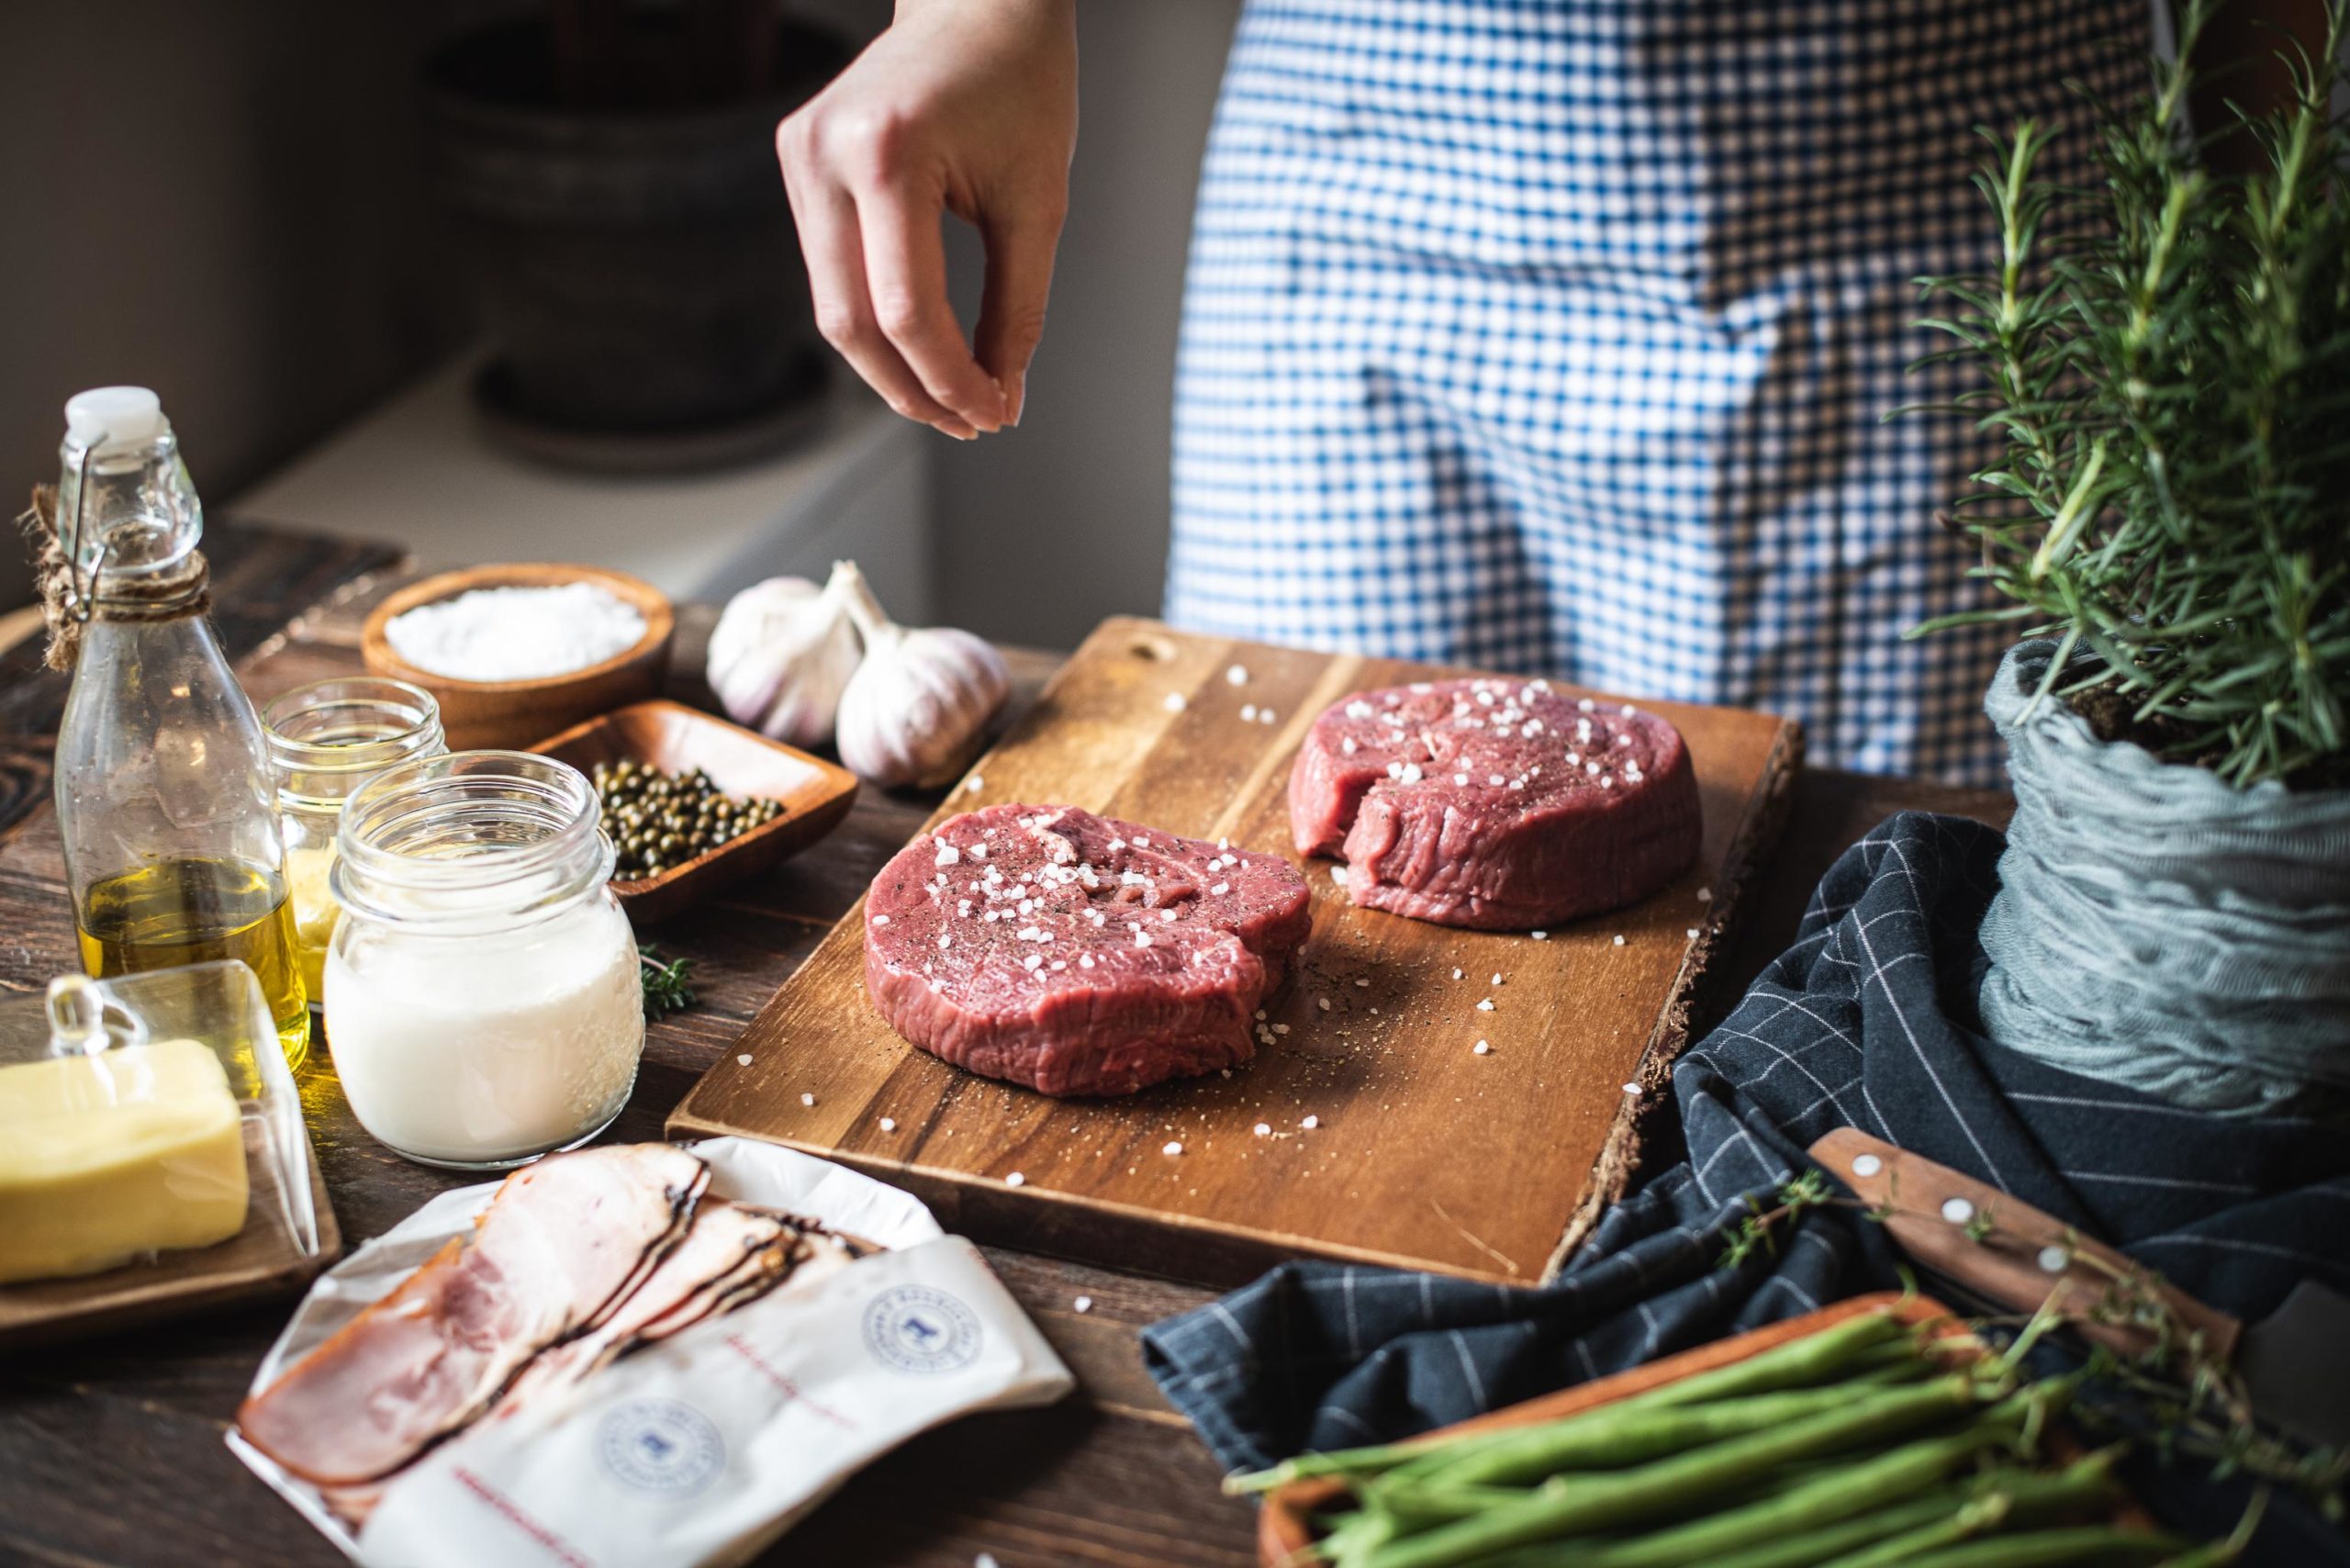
[{"x": 105, "y": 1157}]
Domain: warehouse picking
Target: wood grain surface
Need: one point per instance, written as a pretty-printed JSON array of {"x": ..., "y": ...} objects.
[
  {"x": 1378, "y": 1026},
  {"x": 111, "y": 1451}
]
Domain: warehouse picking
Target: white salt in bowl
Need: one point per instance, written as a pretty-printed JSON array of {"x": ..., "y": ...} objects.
[{"x": 517, "y": 715}]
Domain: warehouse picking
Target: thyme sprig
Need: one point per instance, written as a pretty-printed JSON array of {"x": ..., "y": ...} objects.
[
  {"x": 2177, "y": 1393},
  {"x": 2167, "y": 356},
  {"x": 668, "y": 985}
]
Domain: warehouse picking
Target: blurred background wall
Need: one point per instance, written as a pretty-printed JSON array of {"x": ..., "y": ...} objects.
[
  {"x": 227, "y": 201},
  {"x": 1043, "y": 531}
]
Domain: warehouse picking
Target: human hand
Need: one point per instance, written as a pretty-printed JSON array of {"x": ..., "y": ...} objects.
[{"x": 964, "y": 105}]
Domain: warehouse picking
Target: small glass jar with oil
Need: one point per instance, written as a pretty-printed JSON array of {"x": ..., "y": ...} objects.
[
  {"x": 165, "y": 799},
  {"x": 327, "y": 739}
]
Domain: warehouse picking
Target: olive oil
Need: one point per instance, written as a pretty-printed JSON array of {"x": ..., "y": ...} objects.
[{"x": 195, "y": 910}]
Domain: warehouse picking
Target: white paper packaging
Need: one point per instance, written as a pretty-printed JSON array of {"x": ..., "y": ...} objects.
[{"x": 703, "y": 1448}]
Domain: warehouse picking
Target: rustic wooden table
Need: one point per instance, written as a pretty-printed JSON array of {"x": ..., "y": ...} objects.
[{"x": 111, "y": 1451}]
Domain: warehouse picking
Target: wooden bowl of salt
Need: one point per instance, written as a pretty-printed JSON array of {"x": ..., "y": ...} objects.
[{"x": 513, "y": 714}]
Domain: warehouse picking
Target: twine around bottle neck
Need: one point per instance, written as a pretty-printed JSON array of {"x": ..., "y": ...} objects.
[{"x": 172, "y": 592}]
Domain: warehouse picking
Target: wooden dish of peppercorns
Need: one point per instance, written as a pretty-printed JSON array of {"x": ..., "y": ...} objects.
[{"x": 693, "y": 803}]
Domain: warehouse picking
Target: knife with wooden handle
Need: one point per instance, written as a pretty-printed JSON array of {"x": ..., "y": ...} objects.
[{"x": 2295, "y": 1363}]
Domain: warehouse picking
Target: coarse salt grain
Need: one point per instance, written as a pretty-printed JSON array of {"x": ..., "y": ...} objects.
[
  {"x": 1264, "y": 1129},
  {"x": 1176, "y": 702},
  {"x": 1693, "y": 934},
  {"x": 1481, "y": 1049},
  {"x": 516, "y": 633},
  {"x": 1247, "y": 712},
  {"x": 1365, "y": 983},
  {"x": 1015, "y": 1180},
  {"x": 1237, "y": 674},
  {"x": 1486, "y": 1005},
  {"x": 1705, "y": 895},
  {"x": 1173, "y": 1148},
  {"x": 1620, "y": 939},
  {"x": 974, "y": 784},
  {"x": 889, "y": 1123},
  {"x": 1541, "y": 935},
  {"x": 745, "y": 1059},
  {"x": 807, "y": 1099},
  {"x": 880, "y": 920},
  {"x": 1083, "y": 1304},
  {"x": 1310, "y": 1123}
]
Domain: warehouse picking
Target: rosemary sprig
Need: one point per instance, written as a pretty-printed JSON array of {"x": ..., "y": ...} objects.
[
  {"x": 2167, "y": 356},
  {"x": 667, "y": 986}
]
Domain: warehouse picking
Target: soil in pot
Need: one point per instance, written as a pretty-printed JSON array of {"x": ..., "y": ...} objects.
[{"x": 2112, "y": 715}]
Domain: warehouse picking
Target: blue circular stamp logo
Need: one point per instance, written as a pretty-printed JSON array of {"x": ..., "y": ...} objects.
[
  {"x": 660, "y": 1446},
  {"x": 922, "y": 1330}
]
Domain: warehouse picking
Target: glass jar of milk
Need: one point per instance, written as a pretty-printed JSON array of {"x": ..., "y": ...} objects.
[
  {"x": 482, "y": 997},
  {"x": 325, "y": 740}
]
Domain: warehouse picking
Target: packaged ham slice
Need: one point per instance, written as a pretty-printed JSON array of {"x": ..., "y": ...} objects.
[{"x": 799, "y": 1321}]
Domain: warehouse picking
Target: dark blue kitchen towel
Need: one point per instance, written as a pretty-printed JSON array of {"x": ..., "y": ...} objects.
[{"x": 1868, "y": 1020}]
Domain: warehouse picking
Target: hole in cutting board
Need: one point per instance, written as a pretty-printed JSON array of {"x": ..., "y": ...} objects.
[{"x": 1158, "y": 650}]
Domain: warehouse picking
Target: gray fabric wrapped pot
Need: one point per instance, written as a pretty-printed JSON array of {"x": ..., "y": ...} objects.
[{"x": 2158, "y": 928}]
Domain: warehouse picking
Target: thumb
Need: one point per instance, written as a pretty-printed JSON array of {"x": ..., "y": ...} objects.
[{"x": 1020, "y": 247}]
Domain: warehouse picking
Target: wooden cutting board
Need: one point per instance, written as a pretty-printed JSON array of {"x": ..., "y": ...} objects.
[{"x": 1423, "y": 1154}]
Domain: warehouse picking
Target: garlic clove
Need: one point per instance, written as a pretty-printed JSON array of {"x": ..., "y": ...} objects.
[
  {"x": 779, "y": 657},
  {"x": 918, "y": 707}
]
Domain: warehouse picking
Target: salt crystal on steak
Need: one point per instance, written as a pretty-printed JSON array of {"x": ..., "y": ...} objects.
[
  {"x": 1139, "y": 1006},
  {"x": 1532, "y": 839}
]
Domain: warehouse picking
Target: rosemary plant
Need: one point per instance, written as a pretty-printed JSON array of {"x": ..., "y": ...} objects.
[{"x": 2168, "y": 358}]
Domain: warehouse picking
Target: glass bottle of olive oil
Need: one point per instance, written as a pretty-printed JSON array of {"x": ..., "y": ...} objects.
[{"x": 166, "y": 794}]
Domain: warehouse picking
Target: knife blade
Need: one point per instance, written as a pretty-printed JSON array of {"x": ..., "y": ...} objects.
[{"x": 2295, "y": 1363}]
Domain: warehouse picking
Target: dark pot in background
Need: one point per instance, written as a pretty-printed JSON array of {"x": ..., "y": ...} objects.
[{"x": 626, "y": 228}]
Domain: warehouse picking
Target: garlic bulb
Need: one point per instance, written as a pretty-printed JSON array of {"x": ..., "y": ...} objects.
[
  {"x": 779, "y": 656},
  {"x": 917, "y": 708}
]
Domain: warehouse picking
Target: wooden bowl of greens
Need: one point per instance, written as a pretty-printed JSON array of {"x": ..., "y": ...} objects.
[{"x": 1877, "y": 1424}]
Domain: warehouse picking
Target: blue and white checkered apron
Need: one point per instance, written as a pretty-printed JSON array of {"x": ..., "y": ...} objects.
[{"x": 1558, "y": 336}]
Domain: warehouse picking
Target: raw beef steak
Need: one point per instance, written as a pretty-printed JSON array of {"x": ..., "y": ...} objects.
[
  {"x": 1076, "y": 954},
  {"x": 1495, "y": 804}
]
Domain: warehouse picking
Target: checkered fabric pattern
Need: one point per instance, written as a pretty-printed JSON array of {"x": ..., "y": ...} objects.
[
  {"x": 1558, "y": 336},
  {"x": 1866, "y": 1021}
]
